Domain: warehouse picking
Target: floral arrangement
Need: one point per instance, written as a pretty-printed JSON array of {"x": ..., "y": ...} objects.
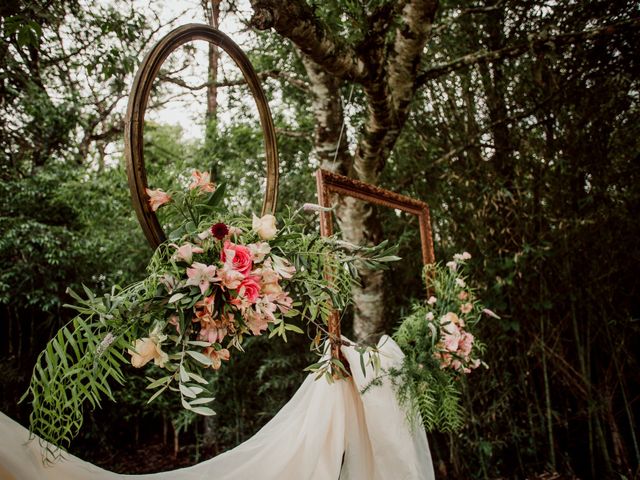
[
  {"x": 439, "y": 347},
  {"x": 216, "y": 280}
]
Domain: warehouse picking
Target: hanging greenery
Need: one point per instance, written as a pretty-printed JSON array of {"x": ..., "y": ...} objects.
[{"x": 440, "y": 348}]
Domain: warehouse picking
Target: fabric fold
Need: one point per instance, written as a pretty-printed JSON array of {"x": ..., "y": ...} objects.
[{"x": 327, "y": 431}]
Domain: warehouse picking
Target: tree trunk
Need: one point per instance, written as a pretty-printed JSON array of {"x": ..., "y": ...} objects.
[{"x": 387, "y": 71}]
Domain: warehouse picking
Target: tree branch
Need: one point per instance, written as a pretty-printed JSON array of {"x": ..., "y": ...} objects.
[
  {"x": 410, "y": 40},
  {"x": 276, "y": 74},
  {"x": 389, "y": 98},
  {"x": 534, "y": 42},
  {"x": 295, "y": 20}
]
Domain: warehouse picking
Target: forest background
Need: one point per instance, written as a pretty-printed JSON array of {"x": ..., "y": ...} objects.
[{"x": 517, "y": 121}]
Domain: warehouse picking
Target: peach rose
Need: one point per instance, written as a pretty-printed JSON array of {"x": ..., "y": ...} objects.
[{"x": 265, "y": 226}]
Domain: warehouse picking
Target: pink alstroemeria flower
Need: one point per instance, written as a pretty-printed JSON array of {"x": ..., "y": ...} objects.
[
  {"x": 212, "y": 333},
  {"x": 175, "y": 321},
  {"x": 281, "y": 266},
  {"x": 466, "y": 344},
  {"x": 258, "y": 251},
  {"x": 201, "y": 275},
  {"x": 451, "y": 341},
  {"x": 229, "y": 277},
  {"x": 201, "y": 180},
  {"x": 185, "y": 252},
  {"x": 466, "y": 307},
  {"x": 157, "y": 198},
  {"x": 217, "y": 356},
  {"x": 257, "y": 323}
]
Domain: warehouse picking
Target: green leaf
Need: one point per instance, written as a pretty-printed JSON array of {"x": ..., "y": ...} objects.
[
  {"x": 198, "y": 378},
  {"x": 186, "y": 391},
  {"x": 293, "y": 328},
  {"x": 202, "y": 400},
  {"x": 199, "y": 357},
  {"x": 184, "y": 376},
  {"x": 176, "y": 296},
  {"x": 216, "y": 197},
  {"x": 203, "y": 411},
  {"x": 158, "y": 382}
]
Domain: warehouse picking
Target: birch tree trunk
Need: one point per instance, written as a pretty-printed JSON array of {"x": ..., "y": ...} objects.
[{"x": 386, "y": 71}]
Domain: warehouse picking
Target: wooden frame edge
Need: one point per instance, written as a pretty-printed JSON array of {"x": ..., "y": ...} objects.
[{"x": 329, "y": 182}]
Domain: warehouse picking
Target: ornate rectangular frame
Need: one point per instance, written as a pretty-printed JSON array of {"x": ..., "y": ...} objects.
[{"x": 328, "y": 183}]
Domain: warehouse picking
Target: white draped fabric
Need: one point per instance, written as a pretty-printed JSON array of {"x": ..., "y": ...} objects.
[{"x": 325, "y": 432}]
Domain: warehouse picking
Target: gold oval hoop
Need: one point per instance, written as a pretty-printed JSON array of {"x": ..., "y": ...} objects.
[{"x": 134, "y": 120}]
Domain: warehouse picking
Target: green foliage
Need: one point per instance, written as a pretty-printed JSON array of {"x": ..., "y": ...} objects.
[
  {"x": 76, "y": 368},
  {"x": 428, "y": 381}
]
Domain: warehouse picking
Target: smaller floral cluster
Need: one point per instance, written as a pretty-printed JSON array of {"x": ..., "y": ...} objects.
[
  {"x": 455, "y": 346},
  {"x": 454, "y": 350},
  {"x": 439, "y": 346}
]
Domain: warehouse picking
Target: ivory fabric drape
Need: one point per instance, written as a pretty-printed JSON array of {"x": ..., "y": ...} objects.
[{"x": 325, "y": 432}]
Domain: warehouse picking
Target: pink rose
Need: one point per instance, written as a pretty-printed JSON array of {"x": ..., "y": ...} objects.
[
  {"x": 250, "y": 288},
  {"x": 238, "y": 256}
]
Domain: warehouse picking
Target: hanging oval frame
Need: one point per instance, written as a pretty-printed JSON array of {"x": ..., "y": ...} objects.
[{"x": 134, "y": 120}]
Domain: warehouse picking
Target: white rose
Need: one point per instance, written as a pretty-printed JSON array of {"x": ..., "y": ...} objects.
[{"x": 265, "y": 227}]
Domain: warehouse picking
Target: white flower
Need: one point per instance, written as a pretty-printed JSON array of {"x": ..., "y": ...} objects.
[
  {"x": 432, "y": 300},
  {"x": 312, "y": 207},
  {"x": 282, "y": 267},
  {"x": 452, "y": 265},
  {"x": 462, "y": 256},
  {"x": 258, "y": 251},
  {"x": 460, "y": 282},
  {"x": 430, "y": 316},
  {"x": 265, "y": 227},
  {"x": 205, "y": 234},
  {"x": 490, "y": 313}
]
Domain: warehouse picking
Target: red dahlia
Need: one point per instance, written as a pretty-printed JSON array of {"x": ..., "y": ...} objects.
[{"x": 219, "y": 230}]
